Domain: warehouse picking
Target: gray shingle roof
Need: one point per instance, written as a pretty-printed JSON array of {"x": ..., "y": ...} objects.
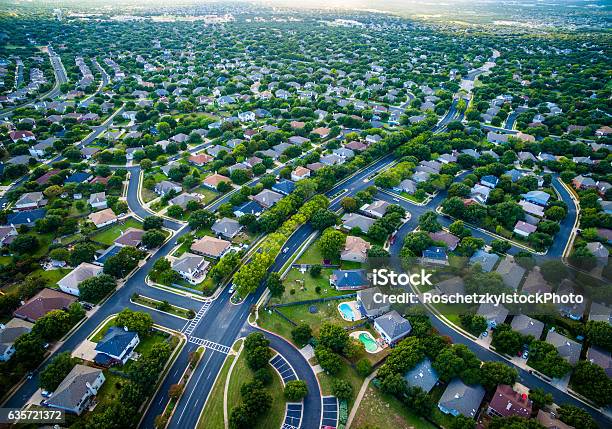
[{"x": 463, "y": 398}]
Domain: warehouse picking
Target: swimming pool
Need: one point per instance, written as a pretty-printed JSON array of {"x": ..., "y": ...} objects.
[
  {"x": 368, "y": 342},
  {"x": 347, "y": 311}
]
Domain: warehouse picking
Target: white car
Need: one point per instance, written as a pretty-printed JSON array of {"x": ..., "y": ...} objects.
[
  {"x": 396, "y": 200},
  {"x": 285, "y": 250},
  {"x": 231, "y": 289}
]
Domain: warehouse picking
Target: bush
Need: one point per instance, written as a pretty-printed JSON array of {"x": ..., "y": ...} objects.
[
  {"x": 364, "y": 367},
  {"x": 296, "y": 390},
  {"x": 342, "y": 389}
]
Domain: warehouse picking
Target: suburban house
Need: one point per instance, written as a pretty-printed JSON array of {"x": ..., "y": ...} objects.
[
  {"x": 392, "y": 327},
  {"x": 43, "y": 302},
  {"x": 300, "y": 173},
  {"x": 70, "y": 282},
  {"x": 213, "y": 180},
  {"x": 450, "y": 286},
  {"x": 201, "y": 159},
  {"x": 355, "y": 220},
  {"x": 600, "y": 312},
  {"x": 191, "y": 267},
  {"x": 486, "y": 260},
  {"x": 494, "y": 314},
  {"x": 407, "y": 185},
  {"x": 422, "y": 375},
  {"x": 181, "y": 200},
  {"x": 368, "y": 306},
  {"x": 30, "y": 200},
  {"x": 459, "y": 398},
  {"x": 166, "y": 186},
  {"x": 116, "y": 347},
  {"x": 582, "y": 182},
  {"x": 550, "y": 421},
  {"x": 537, "y": 197},
  {"x": 524, "y": 229},
  {"x": 349, "y": 279},
  {"x": 7, "y": 235},
  {"x": 511, "y": 272},
  {"x": 506, "y": 403},
  {"x": 568, "y": 349},
  {"x": 13, "y": 329},
  {"x": 130, "y": 237},
  {"x": 447, "y": 238},
  {"x": 250, "y": 207},
  {"x": 355, "y": 249},
  {"x": 574, "y": 311},
  {"x": 97, "y": 200},
  {"x": 489, "y": 181},
  {"x": 210, "y": 246},
  {"x": 226, "y": 227},
  {"x": 76, "y": 391},
  {"x": 284, "y": 187},
  {"x": 480, "y": 193},
  {"x": 103, "y": 217},
  {"x": 600, "y": 357},
  {"x": 527, "y": 326},
  {"x": 531, "y": 208},
  {"x": 435, "y": 255},
  {"x": 377, "y": 209}
]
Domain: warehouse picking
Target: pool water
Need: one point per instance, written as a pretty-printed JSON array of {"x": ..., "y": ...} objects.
[
  {"x": 347, "y": 311},
  {"x": 368, "y": 342}
]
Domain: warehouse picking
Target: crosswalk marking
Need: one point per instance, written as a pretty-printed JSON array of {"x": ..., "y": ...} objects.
[
  {"x": 193, "y": 323},
  {"x": 210, "y": 345}
]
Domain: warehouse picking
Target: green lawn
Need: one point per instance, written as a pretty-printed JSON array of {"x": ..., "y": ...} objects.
[
  {"x": 111, "y": 387},
  {"x": 304, "y": 287},
  {"x": 313, "y": 255},
  {"x": 172, "y": 309},
  {"x": 5, "y": 260},
  {"x": 347, "y": 373},
  {"x": 51, "y": 276},
  {"x": 108, "y": 236},
  {"x": 378, "y": 410},
  {"x": 212, "y": 417},
  {"x": 209, "y": 196},
  {"x": 242, "y": 374},
  {"x": 100, "y": 334}
]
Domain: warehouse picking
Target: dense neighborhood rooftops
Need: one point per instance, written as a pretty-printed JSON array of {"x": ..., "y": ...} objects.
[
  {"x": 43, "y": 302},
  {"x": 461, "y": 398}
]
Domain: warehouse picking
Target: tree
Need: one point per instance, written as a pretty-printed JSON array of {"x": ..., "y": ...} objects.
[
  {"x": 53, "y": 325},
  {"x": 323, "y": 219},
  {"x": 240, "y": 418},
  {"x": 342, "y": 389},
  {"x": 418, "y": 401},
  {"x": 553, "y": 271},
  {"x": 123, "y": 262},
  {"x": 333, "y": 337},
  {"x": 82, "y": 252},
  {"x": 555, "y": 213},
  {"x": 576, "y": 417},
  {"x": 429, "y": 222},
  {"x": 55, "y": 372},
  {"x": 540, "y": 398},
  {"x": 591, "y": 381},
  {"x": 475, "y": 324},
  {"x": 545, "y": 358},
  {"x": 507, "y": 341},
  {"x": 175, "y": 390},
  {"x": 364, "y": 367},
  {"x": 349, "y": 204},
  {"x": 60, "y": 254},
  {"x": 138, "y": 321},
  {"x": 23, "y": 244},
  {"x": 275, "y": 284},
  {"x": 514, "y": 422},
  {"x": 201, "y": 219},
  {"x": 95, "y": 288},
  {"x": 296, "y": 390},
  {"x": 152, "y": 222},
  {"x": 29, "y": 350},
  {"x": 301, "y": 334},
  {"x": 394, "y": 384},
  {"x": 331, "y": 243},
  {"x": 500, "y": 246},
  {"x": 153, "y": 238},
  {"x": 494, "y": 373},
  {"x": 175, "y": 211},
  {"x": 599, "y": 333},
  {"x": 328, "y": 360},
  {"x": 462, "y": 422},
  {"x": 315, "y": 270}
]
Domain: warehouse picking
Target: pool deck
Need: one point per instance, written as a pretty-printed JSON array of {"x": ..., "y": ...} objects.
[
  {"x": 356, "y": 335},
  {"x": 355, "y": 310}
]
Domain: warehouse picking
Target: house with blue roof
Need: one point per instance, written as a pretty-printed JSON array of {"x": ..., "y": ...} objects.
[
  {"x": 422, "y": 375},
  {"x": 514, "y": 174},
  {"x": 111, "y": 251},
  {"x": 349, "y": 279},
  {"x": 489, "y": 181},
  {"x": 537, "y": 197},
  {"x": 28, "y": 217},
  {"x": 392, "y": 327},
  {"x": 116, "y": 347},
  {"x": 486, "y": 260},
  {"x": 78, "y": 177},
  {"x": 435, "y": 255},
  {"x": 250, "y": 207},
  {"x": 284, "y": 187}
]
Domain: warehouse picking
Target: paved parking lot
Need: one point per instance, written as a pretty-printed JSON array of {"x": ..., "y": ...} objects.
[
  {"x": 330, "y": 412},
  {"x": 284, "y": 369},
  {"x": 293, "y": 416}
]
